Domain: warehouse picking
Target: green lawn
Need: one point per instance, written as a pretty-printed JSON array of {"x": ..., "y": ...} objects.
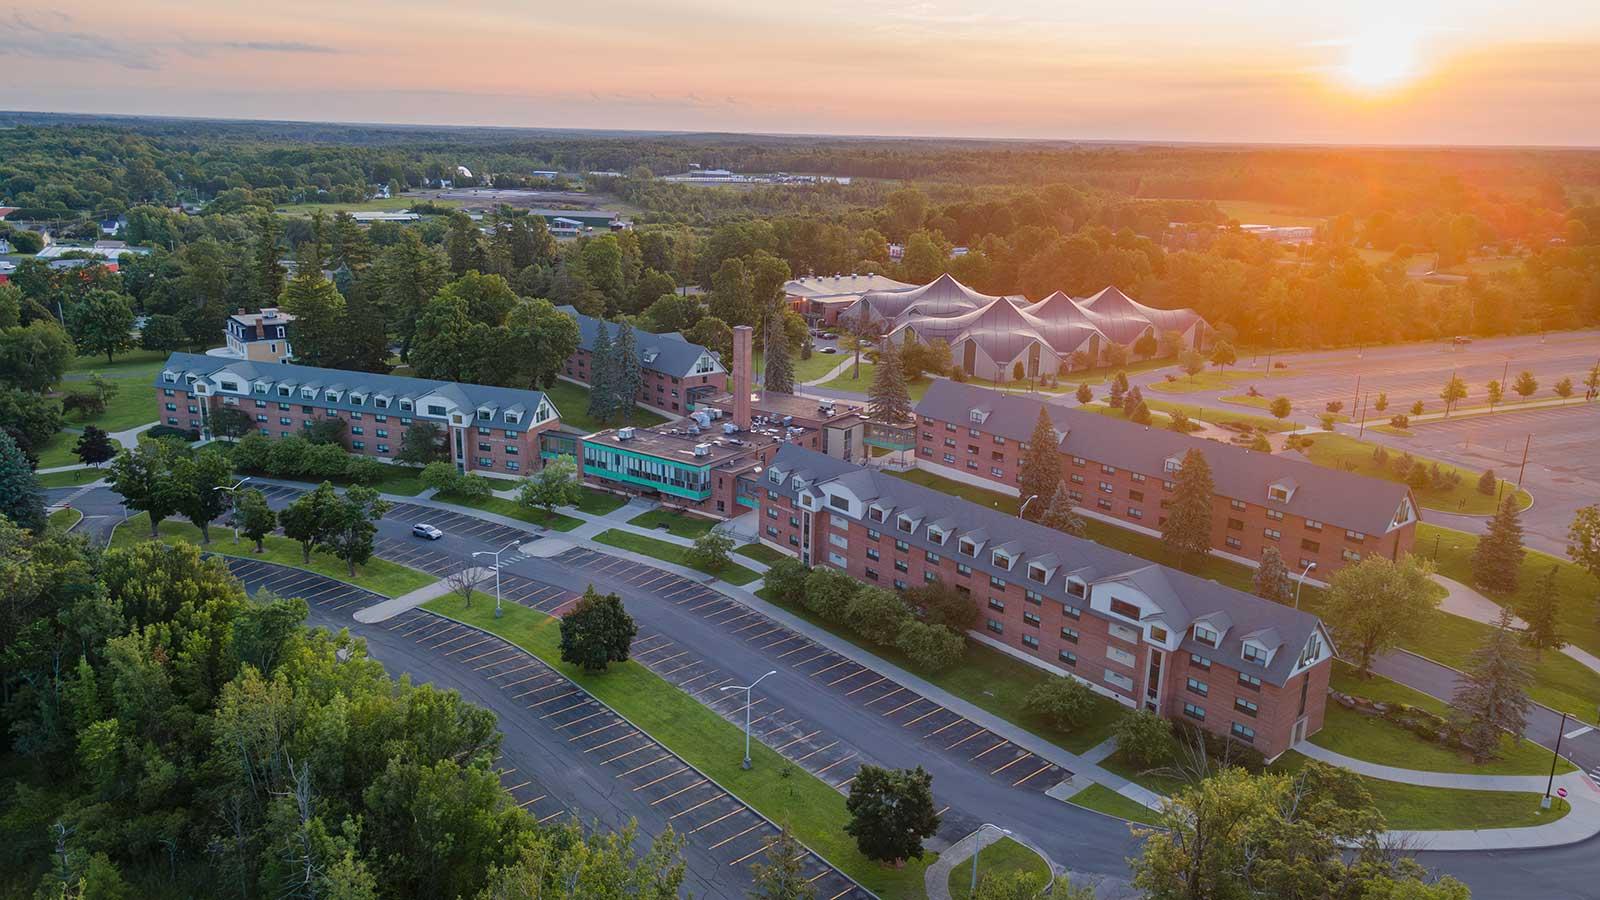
[
  {"x": 1575, "y": 588},
  {"x": 133, "y": 405},
  {"x": 1338, "y": 451},
  {"x": 1211, "y": 380},
  {"x": 376, "y": 204},
  {"x": 64, "y": 519},
  {"x": 134, "y": 362},
  {"x": 988, "y": 679},
  {"x": 761, "y": 553},
  {"x": 845, "y": 382},
  {"x": 1102, "y": 799},
  {"x": 778, "y": 789},
  {"x": 1377, "y": 740},
  {"x": 733, "y": 573},
  {"x": 572, "y": 401},
  {"x": 1214, "y": 416},
  {"x": 805, "y": 370},
  {"x": 1253, "y": 212},
  {"x": 378, "y": 575},
  {"x": 514, "y": 510},
  {"x": 1411, "y": 807},
  {"x": 598, "y": 503},
  {"x": 676, "y": 522},
  {"x": 57, "y": 450},
  {"x": 69, "y": 478},
  {"x": 1003, "y": 857}
]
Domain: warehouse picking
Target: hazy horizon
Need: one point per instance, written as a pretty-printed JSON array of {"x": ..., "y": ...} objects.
[{"x": 1472, "y": 73}]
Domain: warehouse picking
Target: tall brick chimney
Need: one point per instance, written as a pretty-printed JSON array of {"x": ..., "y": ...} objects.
[{"x": 742, "y": 338}]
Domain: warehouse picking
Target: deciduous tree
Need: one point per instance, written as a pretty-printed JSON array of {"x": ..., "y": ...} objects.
[
  {"x": 710, "y": 552},
  {"x": 780, "y": 874},
  {"x": 352, "y": 523},
  {"x": 196, "y": 479},
  {"x": 1280, "y": 408},
  {"x": 555, "y": 485},
  {"x": 102, "y": 322},
  {"x": 1455, "y": 390},
  {"x": 891, "y": 812},
  {"x": 254, "y": 517},
  {"x": 94, "y": 446},
  {"x": 1065, "y": 702},
  {"x": 1375, "y": 604},
  {"x": 1526, "y": 385},
  {"x": 596, "y": 632},
  {"x": 309, "y": 518}
]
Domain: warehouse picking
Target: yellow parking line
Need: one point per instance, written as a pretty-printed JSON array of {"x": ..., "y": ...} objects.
[
  {"x": 965, "y": 739},
  {"x": 1010, "y": 764},
  {"x": 1030, "y": 775}
]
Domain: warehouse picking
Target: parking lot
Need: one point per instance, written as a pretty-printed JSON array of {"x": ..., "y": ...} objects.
[
  {"x": 826, "y": 754},
  {"x": 317, "y": 590},
  {"x": 646, "y": 772}
]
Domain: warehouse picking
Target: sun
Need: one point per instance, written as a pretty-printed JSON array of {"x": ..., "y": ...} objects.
[{"x": 1380, "y": 60}]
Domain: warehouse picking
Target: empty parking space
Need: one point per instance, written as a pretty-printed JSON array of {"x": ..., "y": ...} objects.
[
  {"x": 830, "y": 756},
  {"x": 645, "y": 774},
  {"x": 457, "y": 523},
  {"x": 316, "y": 590}
]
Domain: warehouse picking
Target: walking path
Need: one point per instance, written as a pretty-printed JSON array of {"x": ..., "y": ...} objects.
[
  {"x": 1467, "y": 603},
  {"x": 394, "y": 606},
  {"x": 127, "y": 439},
  {"x": 1582, "y": 823}
]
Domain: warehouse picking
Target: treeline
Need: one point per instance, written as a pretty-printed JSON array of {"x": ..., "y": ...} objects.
[{"x": 170, "y": 736}]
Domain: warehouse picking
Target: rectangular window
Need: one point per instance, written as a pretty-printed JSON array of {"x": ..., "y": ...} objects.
[
  {"x": 1275, "y": 515},
  {"x": 1031, "y": 640},
  {"x": 1031, "y": 618},
  {"x": 1194, "y": 712},
  {"x": 995, "y": 603},
  {"x": 994, "y": 625},
  {"x": 839, "y": 540},
  {"x": 1117, "y": 679},
  {"x": 872, "y": 574},
  {"x": 1070, "y": 611},
  {"x": 1033, "y": 597},
  {"x": 1067, "y": 657},
  {"x": 1254, "y": 654},
  {"x": 1271, "y": 534},
  {"x": 1107, "y": 487},
  {"x": 1199, "y": 662},
  {"x": 1233, "y": 543},
  {"x": 902, "y": 546},
  {"x": 963, "y": 569},
  {"x": 1235, "y": 524},
  {"x": 1350, "y": 555},
  {"x": 1108, "y": 470},
  {"x": 358, "y": 445},
  {"x": 1244, "y": 733},
  {"x": 1247, "y": 707},
  {"x": 1313, "y": 525},
  {"x": 1196, "y": 686},
  {"x": 1236, "y": 504},
  {"x": 900, "y": 566},
  {"x": 999, "y": 583},
  {"x": 1135, "y": 512},
  {"x": 1207, "y": 636},
  {"x": 1125, "y": 609},
  {"x": 873, "y": 554},
  {"x": 1077, "y": 478},
  {"x": 1249, "y": 681},
  {"x": 1120, "y": 656},
  {"x": 1070, "y": 635},
  {"x": 1103, "y": 503},
  {"x": 1136, "y": 496}
]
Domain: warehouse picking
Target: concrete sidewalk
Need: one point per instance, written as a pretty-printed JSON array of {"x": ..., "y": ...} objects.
[
  {"x": 394, "y": 606},
  {"x": 1461, "y": 600}
]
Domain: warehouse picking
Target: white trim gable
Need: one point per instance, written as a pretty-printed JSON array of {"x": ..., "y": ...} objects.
[
  {"x": 854, "y": 506},
  {"x": 1318, "y": 647}
]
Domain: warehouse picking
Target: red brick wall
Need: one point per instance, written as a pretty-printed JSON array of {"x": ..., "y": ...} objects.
[
  {"x": 1278, "y": 708},
  {"x": 656, "y": 389},
  {"x": 1139, "y": 502}
]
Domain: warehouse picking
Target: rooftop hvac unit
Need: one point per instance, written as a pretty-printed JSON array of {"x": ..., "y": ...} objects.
[
  {"x": 702, "y": 449},
  {"x": 729, "y": 428},
  {"x": 702, "y": 418},
  {"x": 788, "y": 420},
  {"x": 625, "y": 434},
  {"x": 694, "y": 429}
]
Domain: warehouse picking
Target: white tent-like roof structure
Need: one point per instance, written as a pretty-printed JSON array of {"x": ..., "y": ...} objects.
[
  {"x": 942, "y": 297},
  {"x": 1115, "y": 311}
]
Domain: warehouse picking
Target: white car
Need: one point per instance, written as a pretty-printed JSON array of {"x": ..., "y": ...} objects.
[
  {"x": 829, "y": 350},
  {"x": 424, "y": 530}
]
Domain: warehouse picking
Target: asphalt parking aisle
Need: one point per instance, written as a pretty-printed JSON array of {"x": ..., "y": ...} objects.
[
  {"x": 828, "y": 755},
  {"x": 644, "y": 773},
  {"x": 316, "y": 590},
  {"x": 458, "y": 523}
]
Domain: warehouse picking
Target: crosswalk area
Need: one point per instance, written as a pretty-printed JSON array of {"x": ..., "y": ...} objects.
[
  {"x": 696, "y": 807},
  {"x": 825, "y": 754}
]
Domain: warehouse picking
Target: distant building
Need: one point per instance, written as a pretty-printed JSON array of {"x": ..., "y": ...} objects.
[
  {"x": 545, "y": 173},
  {"x": 1283, "y": 234},
  {"x": 599, "y": 219},
  {"x": 6, "y": 211},
  {"x": 490, "y": 430},
  {"x": 677, "y": 374},
  {"x": 106, "y": 250},
  {"x": 820, "y": 298},
  {"x": 260, "y": 337},
  {"x": 367, "y": 218}
]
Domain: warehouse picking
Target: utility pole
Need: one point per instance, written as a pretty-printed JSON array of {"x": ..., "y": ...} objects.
[
  {"x": 1362, "y": 428},
  {"x": 1357, "y": 401},
  {"x": 1554, "y": 755},
  {"x": 1524, "y": 466}
]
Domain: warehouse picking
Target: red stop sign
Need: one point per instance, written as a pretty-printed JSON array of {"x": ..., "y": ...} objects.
[{"x": 1561, "y": 792}]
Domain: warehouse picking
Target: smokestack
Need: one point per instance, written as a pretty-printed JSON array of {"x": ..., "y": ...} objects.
[{"x": 742, "y": 338}]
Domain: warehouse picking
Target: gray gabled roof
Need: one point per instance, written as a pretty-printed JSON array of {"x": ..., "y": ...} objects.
[
  {"x": 467, "y": 397},
  {"x": 1181, "y": 597},
  {"x": 1338, "y": 498},
  {"x": 667, "y": 353}
]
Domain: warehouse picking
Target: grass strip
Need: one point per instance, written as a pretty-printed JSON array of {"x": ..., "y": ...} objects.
[
  {"x": 676, "y": 522},
  {"x": 378, "y": 575},
  {"x": 598, "y": 503},
  {"x": 511, "y": 509},
  {"x": 64, "y": 519},
  {"x": 1339, "y": 451},
  {"x": 70, "y": 478},
  {"x": 1102, "y": 799},
  {"x": 1001, "y": 858},
  {"x": 775, "y": 787},
  {"x": 761, "y": 553},
  {"x": 733, "y": 573}
]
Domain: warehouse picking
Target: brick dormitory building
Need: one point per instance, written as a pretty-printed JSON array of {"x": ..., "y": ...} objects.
[
  {"x": 490, "y": 430},
  {"x": 676, "y": 373},
  {"x": 1123, "y": 472},
  {"x": 1145, "y": 635}
]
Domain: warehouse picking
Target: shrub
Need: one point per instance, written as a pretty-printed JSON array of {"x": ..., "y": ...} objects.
[
  {"x": 287, "y": 458},
  {"x": 710, "y": 552},
  {"x": 1222, "y": 751},
  {"x": 942, "y": 604},
  {"x": 829, "y": 592},
  {"x": 1065, "y": 702},
  {"x": 1487, "y": 483},
  {"x": 325, "y": 461},
  {"x": 786, "y": 580},
  {"x": 931, "y": 648},
  {"x": 440, "y": 476},
  {"x": 1401, "y": 421},
  {"x": 1144, "y": 738},
  {"x": 364, "y": 470},
  {"x": 877, "y": 614},
  {"x": 167, "y": 431}
]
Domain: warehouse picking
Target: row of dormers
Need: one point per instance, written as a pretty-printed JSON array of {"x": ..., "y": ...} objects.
[
  {"x": 1259, "y": 647},
  {"x": 425, "y": 405}
]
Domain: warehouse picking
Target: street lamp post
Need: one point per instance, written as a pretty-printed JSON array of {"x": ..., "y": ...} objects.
[
  {"x": 977, "y": 847},
  {"x": 1309, "y": 567},
  {"x": 1024, "y": 507},
  {"x": 1554, "y": 755},
  {"x": 498, "y": 612},
  {"x": 235, "y": 501},
  {"x": 747, "y": 689}
]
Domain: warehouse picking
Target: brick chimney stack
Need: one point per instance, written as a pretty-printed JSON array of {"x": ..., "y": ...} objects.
[{"x": 743, "y": 336}]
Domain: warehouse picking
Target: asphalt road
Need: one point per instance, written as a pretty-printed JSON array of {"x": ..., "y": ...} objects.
[{"x": 828, "y": 715}]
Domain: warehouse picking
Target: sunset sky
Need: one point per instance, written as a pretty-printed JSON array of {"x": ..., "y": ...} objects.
[{"x": 1469, "y": 71}]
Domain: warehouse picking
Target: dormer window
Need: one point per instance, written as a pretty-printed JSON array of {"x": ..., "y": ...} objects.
[
  {"x": 876, "y": 514},
  {"x": 1125, "y": 609},
  {"x": 1076, "y": 588},
  {"x": 978, "y": 416},
  {"x": 357, "y": 399},
  {"x": 308, "y": 394},
  {"x": 839, "y": 502},
  {"x": 1255, "y": 654},
  {"x": 513, "y": 418},
  {"x": 1158, "y": 634},
  {"x": 1001, "y": 559},
  {"x": 1172, "y": 464},
  {"x": 261, "y": 387},
  {"x": 169, "y": 377},
  {"x": 485, "y": 415},
  {"x": 937, "y": 535},
  {"x": 285, "y": 391},
  {"x": 228, "y": 384},
  {"x": 1206, "y": 635},
  {"x": 1038, "y": 573},
  {"x": 436, "y": 409},
  {"x": 405, "y": 406},
  {"x": 904, "y": 523},
  {"x": 1312, "y": 650},
  {"x": 967, "y": 547},
  {"x": 775, "y": 476},
  {"x": 332, "y": 396},
  {"x": 381, "y": 402}
]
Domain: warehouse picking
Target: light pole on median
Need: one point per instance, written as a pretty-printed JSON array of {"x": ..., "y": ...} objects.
[
  {"x": 1554, "y": 755},
  {"x": 235, "y": 501},
  {"x": 1309, "y": 567},
  {"x": 977, "y": 846},
  {"x": 498, "y": 612},
  {"x": 747, "y": 689}
]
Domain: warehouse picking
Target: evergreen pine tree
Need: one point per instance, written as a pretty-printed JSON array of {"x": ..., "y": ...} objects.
[
  {"x": 1492, "y": 695},
  {"x": 888, "y": 399},
  {"x": 21, "y": 500},
  {"x": 1272, "y": 578},
  {"x": 600, "y": 373},
  {"x": 1040, "y": 472},
  {"x": 1188, "y": 528},
  {"x": 627, "y": 372},
  {"x": 779, "y": 374},
  {"x": 1496, "y": 562},
  {"x": 1541, "y": 615},
  {"x": 1062, "y": 516},
  {"x": 1119, "y": 387}
]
